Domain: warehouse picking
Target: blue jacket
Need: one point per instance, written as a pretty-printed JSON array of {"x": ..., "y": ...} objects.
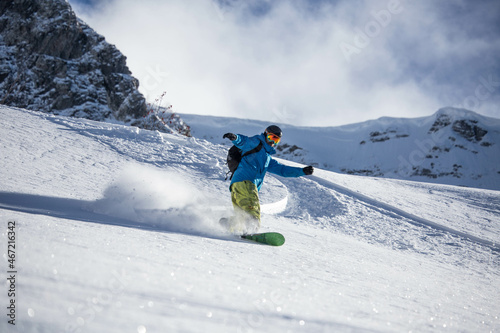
[{"x": 253, "y": 167}]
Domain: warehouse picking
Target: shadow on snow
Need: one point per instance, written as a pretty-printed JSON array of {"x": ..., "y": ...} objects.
[{"x": 81, "y": 210}]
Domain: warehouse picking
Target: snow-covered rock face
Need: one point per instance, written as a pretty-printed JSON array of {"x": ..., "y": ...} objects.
[
  {"x": 460, "y": 144},
  {"x": 464, "y": 127},
  {"x": 53, "y": 62},
  {"x": 453, "y": 146}
]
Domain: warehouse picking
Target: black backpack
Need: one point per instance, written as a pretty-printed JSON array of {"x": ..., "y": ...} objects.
[{"x": 234, "y": 157}]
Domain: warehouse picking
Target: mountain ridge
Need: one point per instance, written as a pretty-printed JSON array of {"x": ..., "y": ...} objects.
[{"x": 452, "y": 146}]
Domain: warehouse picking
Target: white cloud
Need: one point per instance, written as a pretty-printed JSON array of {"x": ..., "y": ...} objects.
[{"x": 286, "y": 63}]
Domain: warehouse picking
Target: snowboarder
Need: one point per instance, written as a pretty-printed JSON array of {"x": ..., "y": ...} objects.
[{"x": 249, "y": 176}]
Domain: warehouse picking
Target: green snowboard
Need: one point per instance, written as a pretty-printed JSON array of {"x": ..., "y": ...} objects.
[{"x": 269, "y": 238}]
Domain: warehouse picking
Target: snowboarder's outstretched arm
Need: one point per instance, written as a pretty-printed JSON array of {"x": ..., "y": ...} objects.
[{"x": 288, "y": 171}]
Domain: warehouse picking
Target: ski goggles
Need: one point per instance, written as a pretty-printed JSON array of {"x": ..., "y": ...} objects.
[{"x": 273, "y": 138}]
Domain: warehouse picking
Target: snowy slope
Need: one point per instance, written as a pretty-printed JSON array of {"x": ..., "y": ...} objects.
[
  {"x": 362, "y": 254},
  {"x": 453, "y": 146}
]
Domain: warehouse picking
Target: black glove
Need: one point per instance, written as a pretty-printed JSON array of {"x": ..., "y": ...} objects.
[
  {"x": 230, "y": 136},
  {"x": 308, "y": 170}
]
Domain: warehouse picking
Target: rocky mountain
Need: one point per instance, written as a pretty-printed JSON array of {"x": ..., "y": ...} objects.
[
  {"x": 453, "y": 146},
  {"x": 52, "y": 61},
  {"x": 459, "y": 145}
]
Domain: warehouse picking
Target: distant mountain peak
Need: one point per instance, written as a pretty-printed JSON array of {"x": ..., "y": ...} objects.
[
  {"x": 462, "y": 122},
  {"x": 456, "y": 112}
]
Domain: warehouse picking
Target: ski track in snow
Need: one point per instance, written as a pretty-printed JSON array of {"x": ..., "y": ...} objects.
[
  {"x": 103, "y": 204},
  {"x": 360, "y": 217},
  {"x": 394, "y": 211}
]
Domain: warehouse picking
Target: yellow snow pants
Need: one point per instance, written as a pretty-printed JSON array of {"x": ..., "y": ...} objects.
[{"x": 245, "y": 198}]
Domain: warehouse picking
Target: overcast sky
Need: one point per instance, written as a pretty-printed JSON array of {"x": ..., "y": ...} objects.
[{"x": 306, "y": 62}]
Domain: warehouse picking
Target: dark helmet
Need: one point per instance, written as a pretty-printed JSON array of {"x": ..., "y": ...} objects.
[{"x": 274, "y": 129}]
